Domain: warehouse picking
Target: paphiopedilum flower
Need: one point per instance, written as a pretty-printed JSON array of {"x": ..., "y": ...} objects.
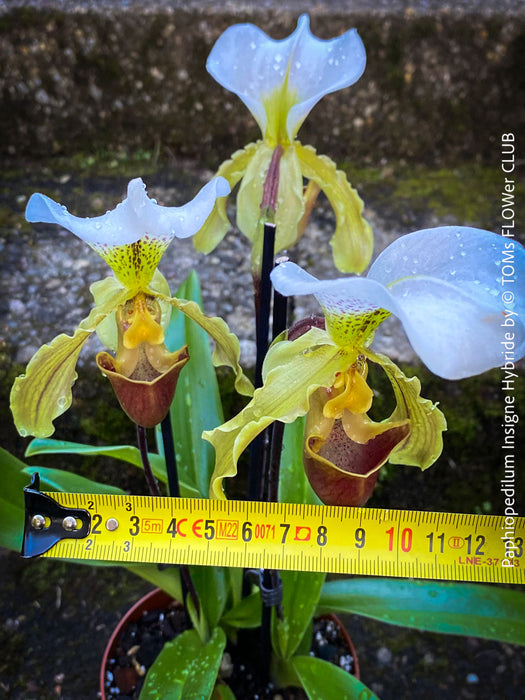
[
  {"x": 444, "y": 285},
  {"x": 131, "y": 239},
  {"x": 280, "y": 82}
]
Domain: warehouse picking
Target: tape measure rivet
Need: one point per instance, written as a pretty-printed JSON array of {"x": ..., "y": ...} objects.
[
  {"x": 38, "y": 522},
  {"x": 69, "y": 523},
  {"x": 111, "y": 524}
]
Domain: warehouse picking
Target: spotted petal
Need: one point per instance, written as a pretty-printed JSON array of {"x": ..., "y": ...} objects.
[
  {"x": 132, "y": 237},
  {"x": 280, "y": 81},
  {"x": 444, "y": 284},
  {"x": 293, "y": 370},
  {"x": 44, "y": 392}
]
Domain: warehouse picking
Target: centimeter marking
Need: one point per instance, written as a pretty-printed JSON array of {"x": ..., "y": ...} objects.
[{"x": 369, "y": 541}]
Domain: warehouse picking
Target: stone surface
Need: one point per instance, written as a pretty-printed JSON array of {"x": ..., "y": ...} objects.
[{"x": 89, "y": 75}]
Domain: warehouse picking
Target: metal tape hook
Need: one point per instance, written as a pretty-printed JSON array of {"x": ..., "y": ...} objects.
[{"x": 47, "y": 522}]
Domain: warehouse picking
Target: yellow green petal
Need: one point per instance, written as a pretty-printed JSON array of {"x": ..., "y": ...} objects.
[
  {"x": 290, "y": 202},
  {"x": 227, "y": 351},
  {"x": 293, "y": 370},
  {"x": 217, "y": 223},
  {"x": 107, "y": 329},
  {"x": 427, "y": 423},
  {"x": 44, "y": 392},
  {"x": 352, "y": 242}
]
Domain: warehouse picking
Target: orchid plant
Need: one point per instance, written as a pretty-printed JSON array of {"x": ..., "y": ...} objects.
[{"x": 440, "y": 283}]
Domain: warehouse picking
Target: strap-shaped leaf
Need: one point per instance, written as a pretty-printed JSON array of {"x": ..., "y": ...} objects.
[
  {"x": 352, "y": 242},
  {"x": 301, "y": 592},
  {"x": 197, "y": 404},
  {"x": 294, "y": 487},
  {"x": 126, "y": 453},
  {"x": 185, "y": 668},
  {"x": 324, "y": 681},
  {"x": 489, "y": 612}
]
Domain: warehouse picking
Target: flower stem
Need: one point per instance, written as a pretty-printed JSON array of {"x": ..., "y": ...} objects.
[
  {"x": 262, "y": 328},
  {"x": 169, "y": 456},
  {"x": 188, "y": 587},
  {"x": 148, "y": 473}
]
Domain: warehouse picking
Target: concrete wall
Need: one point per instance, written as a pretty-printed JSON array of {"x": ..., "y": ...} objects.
[{"x": 442, "y": 81}]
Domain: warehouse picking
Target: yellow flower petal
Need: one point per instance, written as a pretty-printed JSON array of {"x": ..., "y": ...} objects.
[
  {"x": 227, "y": 351},
  {"x": 352, "y": 242},
  {"x": 44, "y": 392},
  {"x": 293, "y": 370},
  {"x": 217, "y": 223},
  {"x": 427, "y": 423},
  {"x": 356, "y": 395}
]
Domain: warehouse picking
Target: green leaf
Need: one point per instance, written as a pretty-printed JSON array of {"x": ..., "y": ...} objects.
[
  {"x": 126, "y": 453},
  {"x": 197, "y": 404},
  {"x": 60, "y": 480},
  {"x": 247, "y": 614},
  {"x": 223, "y": 692},
  {"x": 12, "y": 483},
  {"x": 477, "y": 610},
  {"x": 324, "y": 681},
  {"x": 211, "y": 585},
  {"x": 301, "y": 592},
  {"x": 15, "y": 475},
  {"x": 185, "y": 668},
  {"x": 294, "y": 486}
]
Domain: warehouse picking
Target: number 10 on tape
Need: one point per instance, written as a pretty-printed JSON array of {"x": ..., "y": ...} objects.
[{"x": 367, "y": 541}]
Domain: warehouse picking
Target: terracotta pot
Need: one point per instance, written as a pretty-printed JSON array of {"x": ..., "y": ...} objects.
[
  {"x": 155, "y": 600},
  {"x": 158, "y": 600},
  {"x": 344, "y": 633}
]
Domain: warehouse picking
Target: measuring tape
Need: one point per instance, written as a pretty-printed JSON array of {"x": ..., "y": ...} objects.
[{"x": 369, "y": 541}]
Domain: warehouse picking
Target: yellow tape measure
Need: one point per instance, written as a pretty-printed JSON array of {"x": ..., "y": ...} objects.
[{"x": 367, "y": 541}]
